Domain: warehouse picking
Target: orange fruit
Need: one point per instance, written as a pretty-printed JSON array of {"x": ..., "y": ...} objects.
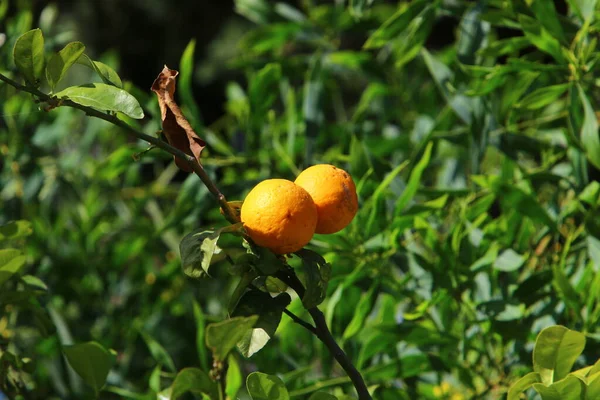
[
  {"x": 334, "y": 193},
  {"x": 279, "y": 215}
]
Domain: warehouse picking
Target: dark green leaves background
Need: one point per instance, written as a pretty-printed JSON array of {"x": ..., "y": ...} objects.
[{"x": 476, "y": 164}]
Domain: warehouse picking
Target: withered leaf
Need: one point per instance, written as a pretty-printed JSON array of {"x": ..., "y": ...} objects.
[{"x": 176, "y": 128}]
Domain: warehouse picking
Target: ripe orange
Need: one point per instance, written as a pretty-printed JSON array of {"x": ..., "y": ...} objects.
[
  {"x": 279, "y": 215},
  {"x": 334, "y": 193}
]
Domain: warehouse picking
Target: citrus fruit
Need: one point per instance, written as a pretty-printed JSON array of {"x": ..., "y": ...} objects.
[
  {"x": 279, "y": 215},
  {"x": 333, "y": 192}
]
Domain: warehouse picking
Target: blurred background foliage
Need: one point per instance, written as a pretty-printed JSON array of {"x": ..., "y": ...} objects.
[{"x": 470, "y": 129}]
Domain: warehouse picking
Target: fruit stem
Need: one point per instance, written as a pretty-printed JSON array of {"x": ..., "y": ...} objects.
[{"x": 323, "y": 333}]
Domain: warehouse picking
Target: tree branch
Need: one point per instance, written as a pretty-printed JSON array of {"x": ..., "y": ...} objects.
[
  {"x": 325, "y": 336},
  {"x": 300, "y": 321},
  {"x": 190, "y": 160}
]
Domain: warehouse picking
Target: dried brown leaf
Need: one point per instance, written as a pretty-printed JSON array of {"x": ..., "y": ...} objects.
[{"x": 175, "y": 126}]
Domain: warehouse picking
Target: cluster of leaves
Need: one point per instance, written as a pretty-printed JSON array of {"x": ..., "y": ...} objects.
[{"x": 476, "y": 166}]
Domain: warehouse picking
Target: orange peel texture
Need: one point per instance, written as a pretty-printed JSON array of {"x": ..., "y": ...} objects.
[
  {"x": 279, "y": 215},
  {"x": 333, "y": 192}
]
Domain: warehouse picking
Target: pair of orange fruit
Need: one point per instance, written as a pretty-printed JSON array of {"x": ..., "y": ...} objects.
[{"x": 283, "y": 215}]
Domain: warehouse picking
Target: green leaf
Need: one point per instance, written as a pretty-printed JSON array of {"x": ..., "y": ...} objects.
[
  {"x": 509, "y": 260},
  {"x": 28, "y": 55},
  {"x": 316, "y": 277},
  {"x": 570, "y": 388},
  {"x": 593, "y": 245},
  {"x": 11, "y": 262},
  {"x": 234, "y": 379},
  {"x": 106, "y": 73},
  {"x": 263, "y": 89},
  {"x": 197, "y": 249},
  {"x": 15, "y": 230},
  {"x": 34, "y": 281},
  {"x": 158, "y": 352},
  {"x": 193, "y": 380},
  {"x": 269, "y": 310},
  {"x": 522, "y": 385},
  {"x": 322, "y": 396},
  {"x": 185, "y": 84},
  {"x": 91, "y": 361},
  {"x": 543, "y": 97},
  {"x": 414, "y": 181},
  {"x": 104, "y": 98},
  {"x": 60, "y": 62},
  {"x": 593, "y": 389},
  {"x": 396, "y": 24},
  {"x": 223, "y": 336},
  {"x": 584, "y": 8},
  {"x": 590, "y": 137},
  {"x": 473, "y": 34},
  {"x": 266, "y": 387},
  {"x": 265, "y": 262},
  {"x": 545, "y": 12},
  {"x": 555, "y": 352},
  {"x": 541, "y": 38},
  {"x": 200, "y": 320},
  {"x": 364, "y": 307}
]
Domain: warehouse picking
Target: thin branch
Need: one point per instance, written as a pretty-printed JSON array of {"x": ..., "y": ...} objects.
[
  {"x": 300, "y": 321},
  {"x": 325, "y": 336},
  {"x": 190, "y": 160}
]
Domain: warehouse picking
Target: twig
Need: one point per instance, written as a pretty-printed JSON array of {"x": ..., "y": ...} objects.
[
  {"x": 190, "y": 160},
  {"x": 300, "y": 321},
  {"x": 325, "y": 336}
]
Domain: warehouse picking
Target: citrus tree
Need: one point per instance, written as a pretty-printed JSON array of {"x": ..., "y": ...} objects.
[{"x": 446, "y": 196}]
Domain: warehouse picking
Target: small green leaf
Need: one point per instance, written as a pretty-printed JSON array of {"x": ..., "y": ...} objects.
[
  {"x": 590, "y": 137},
  {"x": 269, "y": 310},
  {"x": 414, "y": 181},
  {"x": 15, "y": 230},
  {"x": 585, "y": 8},
  {"x": 569, "y": 388},
  {"x": 522, "y": 385},
  {"x": 266, "y": 387},
  {"x": 34, "y": 281},
  {"x": 193, "y": 380},
  {"x": 60, "y": 62},
  {"x": 91, "y": 361},
  {"x": 545, "y": 12},
  {"x": 158, "y": 352},
  {"x": 322, "y": 396},
  {"x": 543, "y": 96},
  {"x": 11, "y": 262},
  {"x": 197, "y": 249},
  {"x": 555, "y": 352},
  {"x": 106, "y": 73},
  {"x": 221, "y": 337},
  {"x": 200, "y": 320},
  {"x": 593, "y": 389},
  {"x": 316, "y": 277},
  {"x": 395, "y": 25},
  {"x": 234, "y": 379},
  {"x": 509, "y": 260},
  {"x": 28, "y": 55},
  {"x": 541, "y": 38},
  {"x": 104, "y": 98},
  {"x": 364, "y": 307},
  {"x": 263, "y": 89}
]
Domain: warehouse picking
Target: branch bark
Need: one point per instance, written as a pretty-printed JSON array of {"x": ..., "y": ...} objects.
[{"x": 325, "y": 336}]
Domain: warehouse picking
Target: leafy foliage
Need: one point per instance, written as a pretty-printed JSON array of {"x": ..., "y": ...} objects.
[{"x": 476, "y": 163}]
